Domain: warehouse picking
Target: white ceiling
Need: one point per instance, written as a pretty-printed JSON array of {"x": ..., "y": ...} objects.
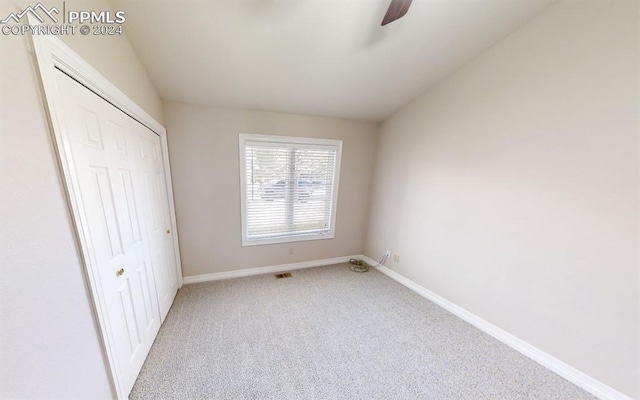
[{"x": 318, "y": 57}]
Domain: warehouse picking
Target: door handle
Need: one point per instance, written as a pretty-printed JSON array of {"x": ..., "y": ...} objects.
[
  {"x": 168, "y": 231},
  {"x": 120, "y": 272}
]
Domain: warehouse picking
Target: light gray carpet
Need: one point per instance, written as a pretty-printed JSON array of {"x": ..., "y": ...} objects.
[{"x": 329, "y": 333}]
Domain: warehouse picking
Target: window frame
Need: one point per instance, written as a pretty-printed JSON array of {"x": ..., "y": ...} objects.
[{"x": 243, "y": 138}]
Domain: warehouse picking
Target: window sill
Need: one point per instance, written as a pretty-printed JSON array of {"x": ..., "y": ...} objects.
[{"x": 287, "y": 239}]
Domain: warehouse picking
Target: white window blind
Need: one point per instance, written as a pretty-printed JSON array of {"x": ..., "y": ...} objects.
[{"x": 289, "y": 188}]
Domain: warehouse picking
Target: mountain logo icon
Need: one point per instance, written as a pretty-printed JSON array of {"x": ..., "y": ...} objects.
[{"x": 34, "y": 11}]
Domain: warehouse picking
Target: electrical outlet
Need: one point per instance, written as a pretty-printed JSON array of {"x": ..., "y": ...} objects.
[
  {"x": 387, "y": 254},
  {"x": 396, "y": 258},
  {"x": 290, "y": 251}
]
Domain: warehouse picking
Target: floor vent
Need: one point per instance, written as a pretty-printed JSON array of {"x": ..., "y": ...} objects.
[{"x": 283, "y": 275}]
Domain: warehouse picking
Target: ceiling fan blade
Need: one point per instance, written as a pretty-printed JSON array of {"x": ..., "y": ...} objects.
[{"x": 397, "y": 9}]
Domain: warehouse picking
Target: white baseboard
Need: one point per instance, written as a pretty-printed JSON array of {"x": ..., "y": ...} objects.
[
  {"x": 561, "y": 368},
  {"x": 262, "y": 270}
]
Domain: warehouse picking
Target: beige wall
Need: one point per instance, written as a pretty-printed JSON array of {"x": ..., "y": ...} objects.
[
  {"x": 203, "y": 148},
  {"x": 49, "y": 345},
  {"x": 511, "y": 188}
]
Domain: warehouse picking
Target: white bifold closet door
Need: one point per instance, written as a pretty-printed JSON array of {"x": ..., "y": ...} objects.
[
  {"x": 158, "y": 216},
  {"x": 121, "y": 189}
]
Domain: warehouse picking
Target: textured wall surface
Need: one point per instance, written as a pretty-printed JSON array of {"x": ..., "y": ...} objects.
[
  {"x": 511, "y": 189},
  {"x": 203, "y": 147}
]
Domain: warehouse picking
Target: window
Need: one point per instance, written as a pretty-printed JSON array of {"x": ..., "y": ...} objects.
[{"x": 289, "y": 188}]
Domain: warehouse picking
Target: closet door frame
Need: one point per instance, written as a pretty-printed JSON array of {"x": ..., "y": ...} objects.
[{"x": 50, "y": 53}]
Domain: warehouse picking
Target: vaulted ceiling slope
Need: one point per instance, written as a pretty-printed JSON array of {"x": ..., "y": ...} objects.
[{"x": 317, "y": 57}]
